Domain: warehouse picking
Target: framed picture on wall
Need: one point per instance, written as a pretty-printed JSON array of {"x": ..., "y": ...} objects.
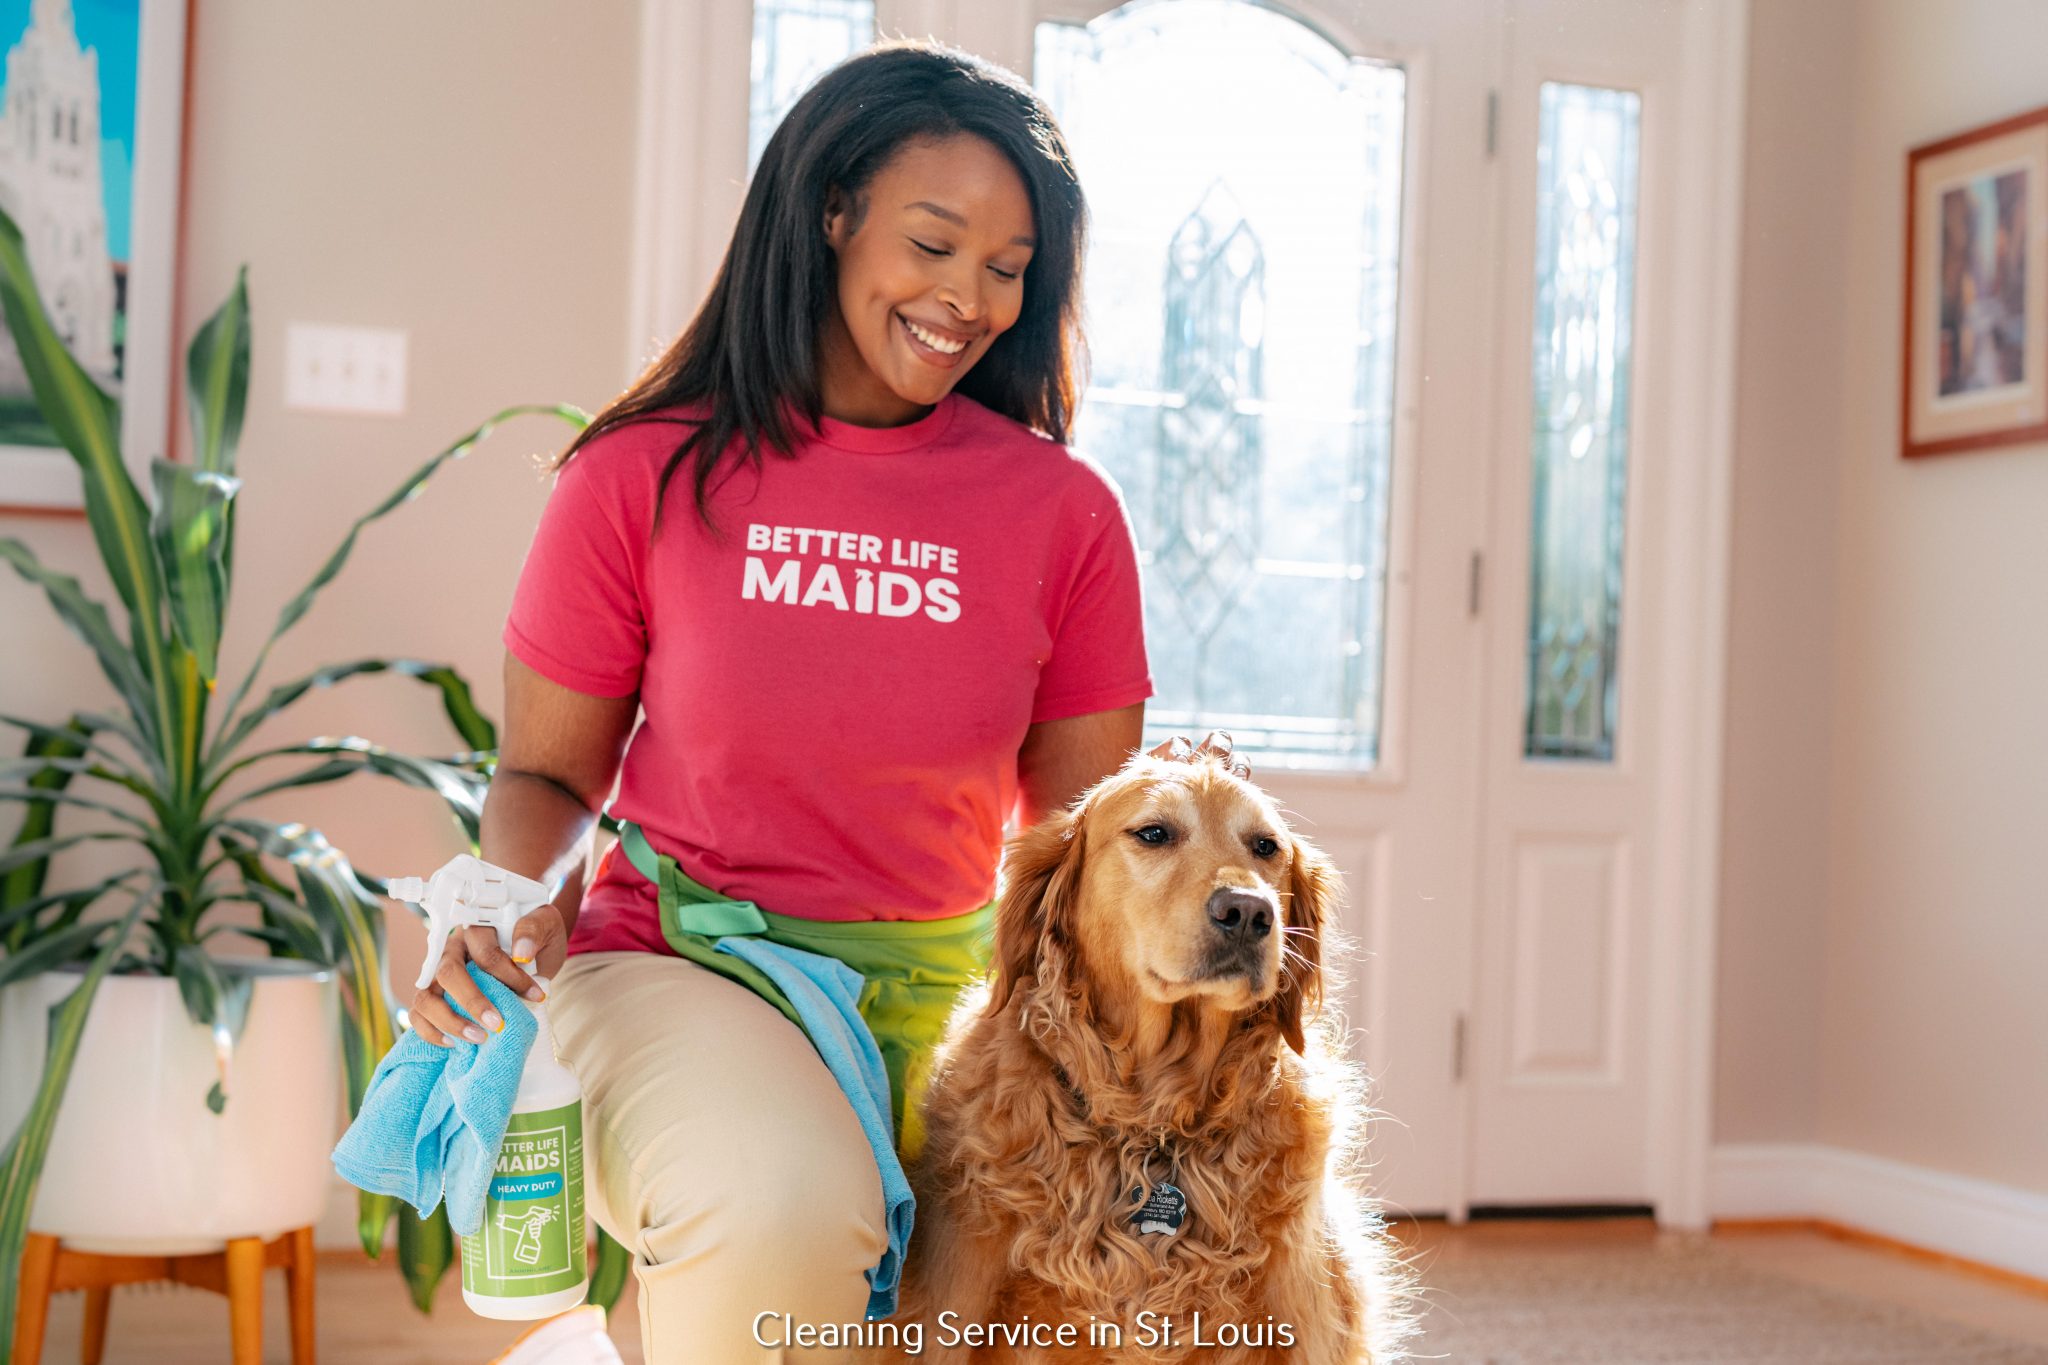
[
  {"x": 1976, "y": 336},
  {"x": 92, "y": 97}
]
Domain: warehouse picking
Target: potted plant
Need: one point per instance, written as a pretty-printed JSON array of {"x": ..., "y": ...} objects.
[{"x": 166, "y": 774}]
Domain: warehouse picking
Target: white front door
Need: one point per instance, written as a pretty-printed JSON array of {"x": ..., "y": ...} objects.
[
  {"x": 1590, "y": 150},
  {"x": 1315, "y": 600}
]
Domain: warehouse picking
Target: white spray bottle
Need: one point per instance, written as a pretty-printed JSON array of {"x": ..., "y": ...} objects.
[{"x": 528, "y": 1260}]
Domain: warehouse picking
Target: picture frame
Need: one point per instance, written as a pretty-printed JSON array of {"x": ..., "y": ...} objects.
[
  {"x": 1976, "y": 295},
  {"x": 130, "y": 56}
]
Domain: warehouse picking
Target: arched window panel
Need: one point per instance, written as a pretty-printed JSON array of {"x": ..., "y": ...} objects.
[
  {"x": 1244, "y": 186},
  {"x": 1587, "y": 144},
  {"x": 795, "y": 42}
]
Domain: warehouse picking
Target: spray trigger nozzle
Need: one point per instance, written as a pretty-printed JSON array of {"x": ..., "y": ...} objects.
[{"x": 467, "y": 890}]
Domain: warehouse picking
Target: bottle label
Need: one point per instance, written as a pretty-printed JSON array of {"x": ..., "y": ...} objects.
[{"x": 532, "y": 1239}]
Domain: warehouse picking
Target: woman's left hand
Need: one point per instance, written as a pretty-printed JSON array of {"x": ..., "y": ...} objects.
[{"x": 1216, "y": 744}]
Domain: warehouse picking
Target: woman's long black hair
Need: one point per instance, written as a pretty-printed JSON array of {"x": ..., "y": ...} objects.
[{"x": 750, "y": 353}]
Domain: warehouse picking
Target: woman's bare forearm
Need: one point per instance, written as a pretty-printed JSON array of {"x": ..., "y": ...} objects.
[
  {"x": 538, "y": 828},
  {"x": 557, "y": 762}
]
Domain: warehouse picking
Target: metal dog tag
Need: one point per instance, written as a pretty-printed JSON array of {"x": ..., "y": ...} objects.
[{"x": 1163, "y": 1213}]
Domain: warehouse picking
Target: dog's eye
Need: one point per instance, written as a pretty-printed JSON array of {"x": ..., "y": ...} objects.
[
  {"x": 1153, "y": 834},
  {"x": 1265, "y": 846}
]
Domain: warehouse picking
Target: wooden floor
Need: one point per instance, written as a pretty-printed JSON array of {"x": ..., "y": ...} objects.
[{"x": 364, "y": 1315}]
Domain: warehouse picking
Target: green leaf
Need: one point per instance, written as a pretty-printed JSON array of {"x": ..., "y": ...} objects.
[
  {"x": 88, "y": 620},
  {"x": 218, "y": 1000},
  {"x": 373, "y": 1215},
  {"x": 126, "y": 728},
  {"x": 23, "y": 910},
  {"x": 293, "y": 925},
  {"x": 23, "y": 854},
  {"x": 50, "y": 950},
  {"x": 38, "y": 796},
  {"x": 282, "y": 942},
  {"x": 332, "y": 771},
  {"x": 199, "y": 985},
  {"x": 405, "y": 492},
  {"x": 21, "y": 1166},
  {"x": 217, "y": 380},
  {"x": 75, "y": 907},
  {"x": 79, "y": 725},
  {"x": 189, "y": 529},
  {"x": 45, "y": 770},
  {"x": 460, "y": 787},
  {"x": 469, "y": 721},
  {"x": 53, "y": 766},
  {"x": 87, "y": 422},
  {"x": 426, "y": 1248},
  {"x": 608, "y": 1276},
  {"x": 463, "y": 713},
  {"x": 351, "y": 919},
  {"x": 24, "y": 882}
]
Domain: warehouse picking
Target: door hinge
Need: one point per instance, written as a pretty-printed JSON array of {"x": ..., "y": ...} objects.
[
  {"x": 1458, "y": 1048},
  {"x": 1492, "y": 121},
  {"x": 1473, "y": 583}
]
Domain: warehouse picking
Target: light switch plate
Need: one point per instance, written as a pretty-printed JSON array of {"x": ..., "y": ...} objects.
[{"x": 344, "y": 369}]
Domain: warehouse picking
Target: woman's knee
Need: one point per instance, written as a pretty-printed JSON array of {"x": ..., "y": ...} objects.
[
  {"x": 778, "y": 1207},
  {"x": 740, "y": 1152}
]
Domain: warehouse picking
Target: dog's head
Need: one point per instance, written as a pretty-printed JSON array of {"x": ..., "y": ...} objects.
[{"x": 1172, "y": 881}]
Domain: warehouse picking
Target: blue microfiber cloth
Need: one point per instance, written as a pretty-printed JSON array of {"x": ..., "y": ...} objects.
[
  {"x": 825, "y": 993},
  {"x": 432, "y": 1117}
]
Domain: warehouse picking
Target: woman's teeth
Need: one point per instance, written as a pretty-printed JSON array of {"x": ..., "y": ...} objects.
[{"x": 937, "y": 343}]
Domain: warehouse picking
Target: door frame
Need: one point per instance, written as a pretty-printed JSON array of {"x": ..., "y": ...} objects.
[
  {"x": 690, "y": 174},
  {"x": 1685, "y": 897}
]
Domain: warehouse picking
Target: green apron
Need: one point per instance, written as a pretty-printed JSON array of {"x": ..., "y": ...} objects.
[{"x": 913, "y": 970}]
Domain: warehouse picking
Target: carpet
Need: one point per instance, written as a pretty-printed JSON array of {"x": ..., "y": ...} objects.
[{"x": 1671, "y": 1302}]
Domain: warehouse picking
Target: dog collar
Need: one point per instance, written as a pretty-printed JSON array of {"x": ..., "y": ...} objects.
[{"x": 1162, "y": 1207}]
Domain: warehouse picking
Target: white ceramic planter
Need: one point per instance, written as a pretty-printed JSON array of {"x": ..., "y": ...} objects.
[{"x": 137, "y": 1162}]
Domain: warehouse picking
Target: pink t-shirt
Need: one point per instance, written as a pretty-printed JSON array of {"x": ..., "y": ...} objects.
[{"x": 835, "y": 695}]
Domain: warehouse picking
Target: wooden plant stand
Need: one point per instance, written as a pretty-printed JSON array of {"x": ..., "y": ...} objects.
[{"x": 236, "y": 1271}]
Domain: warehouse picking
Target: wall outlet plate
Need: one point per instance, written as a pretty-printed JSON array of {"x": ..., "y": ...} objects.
[{"x": 344, "y": 369}]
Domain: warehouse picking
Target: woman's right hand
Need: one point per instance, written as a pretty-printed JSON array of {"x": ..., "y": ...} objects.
[
  {"x": 1216, "y": 744},
  {"x": 538, "y": 940}
]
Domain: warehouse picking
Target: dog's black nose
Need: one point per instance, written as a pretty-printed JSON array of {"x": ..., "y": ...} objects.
[{"x": 1240, "y": 914}]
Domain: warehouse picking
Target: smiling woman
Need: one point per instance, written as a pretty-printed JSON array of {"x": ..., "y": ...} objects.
[
  {"x": 937, "y": 282},
  {"x": 904, "y": 615}
]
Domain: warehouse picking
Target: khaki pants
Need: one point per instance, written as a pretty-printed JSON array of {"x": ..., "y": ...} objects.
[{"x": 721, "y": 1153}]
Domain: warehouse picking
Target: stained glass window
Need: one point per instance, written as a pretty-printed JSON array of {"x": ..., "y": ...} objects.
[
  {"x": 1244, "y": 187},
  {"x": 1585, "y": 287}
]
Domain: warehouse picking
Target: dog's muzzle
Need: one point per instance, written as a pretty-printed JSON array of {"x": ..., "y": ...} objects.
[{"x": 1243, "y": 924}]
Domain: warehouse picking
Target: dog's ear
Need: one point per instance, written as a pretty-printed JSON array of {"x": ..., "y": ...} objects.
[
  {"x": 1041, "y": 875},
  {"x": 1312, "y": 899}
]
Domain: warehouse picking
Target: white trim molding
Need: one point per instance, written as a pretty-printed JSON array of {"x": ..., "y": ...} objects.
[
  {"x": 1686, "y": 897},
  {"x": 690, "y": 162},
  {"x": 1978, "y": 1220}
]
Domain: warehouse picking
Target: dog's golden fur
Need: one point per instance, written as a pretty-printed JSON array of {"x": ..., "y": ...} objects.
[{"x": 1117, "y": 1018}]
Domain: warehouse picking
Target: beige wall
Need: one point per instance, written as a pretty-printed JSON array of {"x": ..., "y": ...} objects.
[
  {"x": 1934, "y": 1043},
  {"x": 1782, "y": 585},
  {"x": 465, "y": 177},
  {"x": 1882, "y": 931}
]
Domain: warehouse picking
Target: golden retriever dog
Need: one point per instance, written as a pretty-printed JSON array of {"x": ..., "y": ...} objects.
[{"x": 1141, "y": 1130}]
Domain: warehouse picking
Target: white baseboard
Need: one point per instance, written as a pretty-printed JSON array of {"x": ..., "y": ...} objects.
[{"x": 1996, "y": 1225}]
